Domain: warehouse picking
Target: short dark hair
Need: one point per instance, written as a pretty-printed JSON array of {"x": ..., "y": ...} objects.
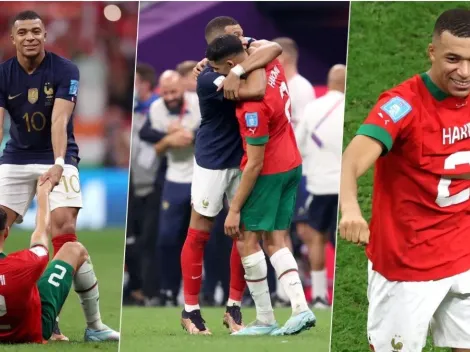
[
  {"x": 147, "y": 74},
  {"x": 455, "y": 21},
  {"x": 3, "y": 219},
  {"x": 224, "y": 46},
  {"x": 26, "y": 15},
  {"x": 218, "y": 24},
  {"x": 185, "y": 67}
]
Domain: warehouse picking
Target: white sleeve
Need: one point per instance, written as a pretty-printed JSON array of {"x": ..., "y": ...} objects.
[
  {"x": 157, "y": 117},
  {"x": 301, "y": 132}
]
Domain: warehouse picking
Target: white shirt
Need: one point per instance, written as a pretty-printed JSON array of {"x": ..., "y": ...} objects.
[
  {"x": 320, "y": 139},
  {"x": 301, "y": 93},
  {"x": 180, "y": 160}
]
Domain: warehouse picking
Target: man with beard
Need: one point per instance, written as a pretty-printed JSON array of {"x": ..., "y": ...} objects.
[{"x": 177, "y": 115}]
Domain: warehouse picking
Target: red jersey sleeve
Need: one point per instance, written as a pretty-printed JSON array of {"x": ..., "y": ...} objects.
[
  {"x": 30, "y": 263},
  {"x": 387, "y": 119},
  {"x": 254, "y": 122}
]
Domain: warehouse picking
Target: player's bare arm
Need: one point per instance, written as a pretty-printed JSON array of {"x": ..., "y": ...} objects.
[
  {"x": 254, "y": 87},
  {"x": 358, "y": 157},
  {"x": 43, "y": 215},
  {"x": 265, "y": 52},
  {"x": 254, "y": 165},
  {"x": 61, "y": 113}
]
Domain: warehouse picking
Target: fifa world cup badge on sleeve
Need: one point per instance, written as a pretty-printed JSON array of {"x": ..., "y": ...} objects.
[
  {"x": 397, "y": 108},
  {"x": 251, "y": 119},
  {"x": 73, "y": 87}
]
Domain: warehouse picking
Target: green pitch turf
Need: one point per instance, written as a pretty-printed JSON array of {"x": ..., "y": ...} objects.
[
  {"x": 387, "y": 45},
  {"x": 145, "y": 328},
  {"x": 106, "y": 249}
]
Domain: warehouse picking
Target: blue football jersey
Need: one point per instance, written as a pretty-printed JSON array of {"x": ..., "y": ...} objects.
[
  {"x": 29, "y": 99},
  {"x": 218, "y": 142}
]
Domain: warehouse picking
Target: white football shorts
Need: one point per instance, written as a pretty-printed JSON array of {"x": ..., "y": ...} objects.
[
  {"x": 402, "y": 313},
  {"x": 18, "y": 187},
  {"x": 209, "y": 186}
]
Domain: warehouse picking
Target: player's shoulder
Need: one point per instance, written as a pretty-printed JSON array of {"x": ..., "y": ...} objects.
[
  {"x": 6, "y": 67},
  {"x": 208, "y": 78},
  {"x": 62, "y": 64},
  {"x": 400, "y": 101}
]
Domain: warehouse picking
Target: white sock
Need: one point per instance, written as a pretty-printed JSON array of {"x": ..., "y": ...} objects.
[
  {"x": 86, "y": 286},
  {"x": 287, "y": 272},
  {"x": 256, "y": 272},
  {"x": 231, "y": 302},
  {"x": 190, "y": 308},
  {"x": 319, "y": 284},
  {"x": 280, "y": 291}
]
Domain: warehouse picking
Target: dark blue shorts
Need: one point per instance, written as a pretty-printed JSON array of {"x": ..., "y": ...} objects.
[
  {"x": 302, "y": 201},
  {"x": 323, "y": 214},
  {"x": 175, "y": 213}
]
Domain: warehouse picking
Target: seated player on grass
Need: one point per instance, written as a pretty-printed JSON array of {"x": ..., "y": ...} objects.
[{"x": 32, "y": 292}]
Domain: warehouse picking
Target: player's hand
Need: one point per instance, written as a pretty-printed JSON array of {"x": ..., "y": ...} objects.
[
  {"x": 230, "y": 85},
  {"x": 354, "y": 228},
  {"x": 199, "y": 67},
  {"x": 232, "y": 224},
  {"x": 53, "y": 175}
]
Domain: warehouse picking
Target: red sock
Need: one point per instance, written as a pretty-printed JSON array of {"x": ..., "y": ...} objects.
[
  {"x": 237, "y": 275},
  {"x": 192, "y": 257},
  {"x": 59, "y": 241}
]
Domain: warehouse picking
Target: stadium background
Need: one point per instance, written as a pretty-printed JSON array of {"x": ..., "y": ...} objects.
[
  {"x": 103, "y": 47},
  {"x": 370, "y": 46},
  {"x": 172, "y": 32}
]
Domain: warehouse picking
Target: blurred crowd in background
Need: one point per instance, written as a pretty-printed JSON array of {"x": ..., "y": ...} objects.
[
  {"x": 100, "y": 37},
  {"x": 143, "y": 272}
]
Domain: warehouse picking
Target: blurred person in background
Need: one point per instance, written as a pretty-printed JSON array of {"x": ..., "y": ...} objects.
[
  {"x": 319, "y": 135},
  {"x": 185, "y": 69},
  {"x": 177, "y": 116},
  {"x": 144, "y": 195}
]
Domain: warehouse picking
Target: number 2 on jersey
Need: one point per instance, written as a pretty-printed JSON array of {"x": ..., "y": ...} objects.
[
  {"x": 57, "y": 276},
  {"x": 283, "y": 92},
  {"x": 444, "y": 199}
]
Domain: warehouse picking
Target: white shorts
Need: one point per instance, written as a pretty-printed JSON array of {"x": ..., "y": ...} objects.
[
  {"x": 402, "y": 313},
  {"x": 18, "y": 187},
  {"x": 209, "y": 186}
]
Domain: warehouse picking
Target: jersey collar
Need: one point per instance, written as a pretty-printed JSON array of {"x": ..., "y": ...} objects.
[
  {"x": 2, "y": 255},
  {"x": 435, "y": 91}
]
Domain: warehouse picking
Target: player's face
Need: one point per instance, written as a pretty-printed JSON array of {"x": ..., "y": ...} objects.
[
  {"x": 450, "y": 57},
  {"x": 223, "y": 67},
  {"x": 28, "y": 37},
  {"x": 172, "y": 93},
  {"x": 237, "y": 31}
]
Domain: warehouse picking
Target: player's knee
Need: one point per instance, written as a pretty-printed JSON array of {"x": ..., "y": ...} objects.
[
  {"x": 64, "y": 221},
  {"x": 274, "y": 242},
  {"x": 74, "y": 252}
]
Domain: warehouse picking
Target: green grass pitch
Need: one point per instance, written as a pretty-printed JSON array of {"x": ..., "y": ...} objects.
[
  {"x": 387, "y": 45},
  {"x": 106, "y": 248},
  {"x": 145, "y": 328}
]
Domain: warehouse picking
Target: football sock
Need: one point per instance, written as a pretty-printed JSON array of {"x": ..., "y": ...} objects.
[
  {"x": 287, "y": 272},
  {"x": 191, "y": 266},
  {"x": 237, "y": 278},
  {"x": 319, "y": 284},
  {"x": 256, "y": 278},
  {"x": 86, "y": 286},
  {"x": 280, "y": 291},
  {"x": 60, "y": 240}
]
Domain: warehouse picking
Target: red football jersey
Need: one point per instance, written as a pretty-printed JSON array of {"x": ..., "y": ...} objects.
[
  {"x": 420, "y": 221},
  {"x": 268, "y": 122},
  {"x": 20, "y": 304}
]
